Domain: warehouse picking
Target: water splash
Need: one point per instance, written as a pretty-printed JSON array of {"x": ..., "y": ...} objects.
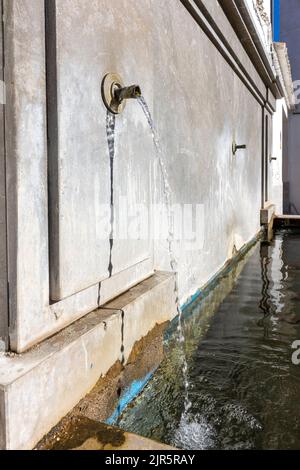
[
  {"x": 170, "y": 241},
  {"x": 110, "y": 132},
  {"x": 194, "y": 433}
]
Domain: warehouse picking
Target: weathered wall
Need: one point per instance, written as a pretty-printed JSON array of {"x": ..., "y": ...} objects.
[
  {"x": 294, "y": 163},
  {"x": 199, "y": 105},
  {"x": 279, "y": 154},
  {"x": 290, "y": 33},
  {"x": 26, "y": 147},
  {"x": 79, "y": 175},
  {"x": 3, "y": 244},
  {"x": 261, "y": 14}
]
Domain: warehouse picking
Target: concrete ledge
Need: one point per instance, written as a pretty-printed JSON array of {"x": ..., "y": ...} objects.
[
  {"x": 85, "y": 434},
  {"x": 267, "y": 213},
  {"x": 287, "y": 220},
  {"x": 41, "y": 386}
]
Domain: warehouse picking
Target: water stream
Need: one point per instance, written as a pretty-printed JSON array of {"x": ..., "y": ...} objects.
[
  {"x": 170, "y": 240},
  {"x": 110, "y": 132}
]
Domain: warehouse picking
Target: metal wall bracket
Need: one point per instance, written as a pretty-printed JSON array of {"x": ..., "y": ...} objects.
[{"x": 236, "y": 147}]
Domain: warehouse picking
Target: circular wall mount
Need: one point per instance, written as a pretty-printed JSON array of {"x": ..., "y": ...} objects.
[
  {"x": 110, "y": 83},
  {"x": 234, "y": 149}
]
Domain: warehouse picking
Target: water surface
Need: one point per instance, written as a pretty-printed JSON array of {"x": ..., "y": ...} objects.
[{"x": 243, "y": 387}]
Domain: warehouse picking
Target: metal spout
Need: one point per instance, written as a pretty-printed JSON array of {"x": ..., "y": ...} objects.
[
  {"x": 115, "y": 94},
  {"x": 129, "y": 92},
  {"x": 236, "y": 147}
]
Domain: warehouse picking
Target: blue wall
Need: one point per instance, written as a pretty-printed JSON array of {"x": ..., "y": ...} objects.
[{"x": 276, "y": 20}]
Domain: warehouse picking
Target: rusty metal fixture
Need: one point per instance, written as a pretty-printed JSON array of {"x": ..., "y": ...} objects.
[{"x": 115, "y": 94}]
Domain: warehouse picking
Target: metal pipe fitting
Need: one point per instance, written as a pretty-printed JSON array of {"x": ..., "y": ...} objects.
[
  {"x": 236, "y": 147},
  {"x": 115, "y": 94}
]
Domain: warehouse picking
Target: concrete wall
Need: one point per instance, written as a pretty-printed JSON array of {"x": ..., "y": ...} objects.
[
  {"x": 290, "y": 33},
  {"x": 3, "y": 231},
  {"x": 24, "y": 24},
  {"x": 261, "y": 14},
  {"x": 79, "y": 168},
  {"x": 294, "y": 162},
  {"x": 278, "y": 154},
  {"x": 207, "y": 107},
  {"x": 200, "y": 104}
]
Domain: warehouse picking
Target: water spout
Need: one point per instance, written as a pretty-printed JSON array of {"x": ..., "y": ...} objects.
[
  {"x": 129, "y": 92},
  {"x": 115, "y": 94}
]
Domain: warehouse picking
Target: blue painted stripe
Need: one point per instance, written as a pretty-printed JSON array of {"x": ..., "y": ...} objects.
[
  {"x": 130, "y": 394},
  {"x": 227, "y": 268}
]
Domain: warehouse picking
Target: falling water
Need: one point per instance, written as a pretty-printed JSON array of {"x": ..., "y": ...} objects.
[
  {"x": 170, "y": 240},
  {"x": 110, "y": 132}
]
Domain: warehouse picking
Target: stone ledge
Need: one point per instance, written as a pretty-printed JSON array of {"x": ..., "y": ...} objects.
[
  {"x": 86, "y": 434},
  {"x": 267, "y": 213},
  {"x": 41, "y": 386}
]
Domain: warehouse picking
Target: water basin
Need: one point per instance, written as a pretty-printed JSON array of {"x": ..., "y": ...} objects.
[{"x": 243, "y": 385}]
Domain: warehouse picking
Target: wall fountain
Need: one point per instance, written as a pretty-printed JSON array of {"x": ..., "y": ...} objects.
[{"x": 115, "y": 95}]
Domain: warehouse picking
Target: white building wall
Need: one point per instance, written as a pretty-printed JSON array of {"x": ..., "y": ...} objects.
[
  {"x": 294, "y": 162},
  {"x": 290, "y": 33},
  {"x": 200, "y": 106},
  {"x": 261, "y": 16},
  {"x": 278, "y": 155}
]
